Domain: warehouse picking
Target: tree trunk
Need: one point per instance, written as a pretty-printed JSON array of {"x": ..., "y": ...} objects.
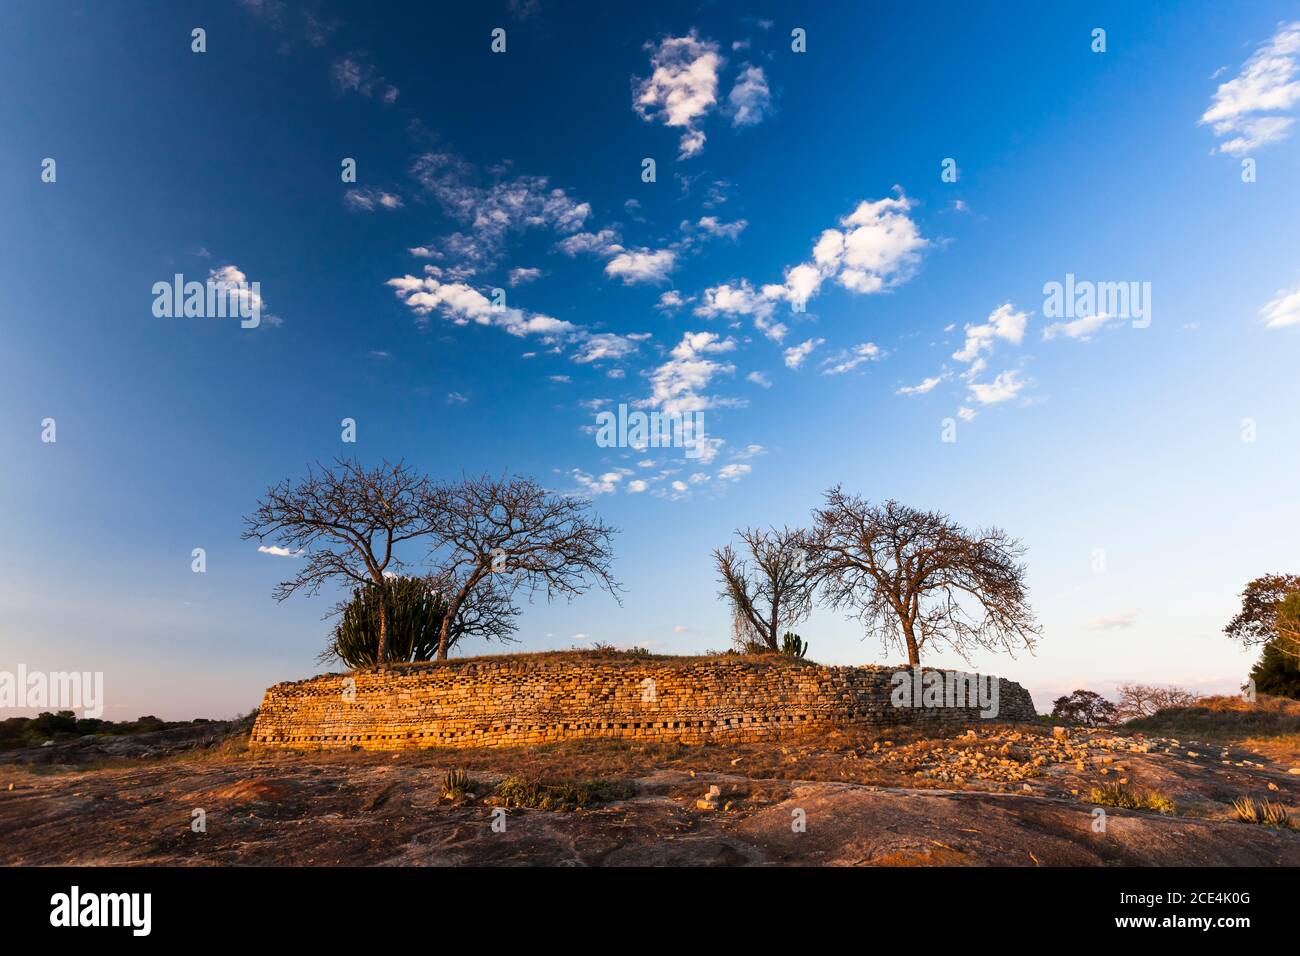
[
  {"x": 383, "y": 624},
  {"x": 453, "y": 608},
  {"x": 445, "y": 630},
  {"x": 913, "y": 649}
]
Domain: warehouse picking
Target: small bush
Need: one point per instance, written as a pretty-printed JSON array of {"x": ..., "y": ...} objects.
[
  {"x": 1119, "y": 795},
  {"x": 559, "y": 795},
  {"x": 602, "y": 649},
  {"x": 1264, "y": 812}
]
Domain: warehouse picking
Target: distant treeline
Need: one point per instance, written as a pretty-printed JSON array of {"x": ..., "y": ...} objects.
[{"x": 18, "y": 732}]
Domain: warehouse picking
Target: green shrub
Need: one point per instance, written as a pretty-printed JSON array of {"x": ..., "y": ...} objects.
[
  {"x": 1086, "y": 708},
  {"x": 604, "y": 649},
  {"x": 559, "y": 795},
  {"x": 415, "y": 614}
]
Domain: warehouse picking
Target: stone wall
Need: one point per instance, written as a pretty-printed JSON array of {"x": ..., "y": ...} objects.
[{"x": 541, "y": 698}]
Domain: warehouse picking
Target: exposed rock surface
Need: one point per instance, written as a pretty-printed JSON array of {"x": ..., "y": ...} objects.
[{"x": 859, "y": 799}]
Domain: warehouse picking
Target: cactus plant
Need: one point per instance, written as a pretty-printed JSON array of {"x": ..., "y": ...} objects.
[
  {"x": 456, "y": 784},
  {"x": 793, "y": 645},
  {"x": 415, "y": 614}
]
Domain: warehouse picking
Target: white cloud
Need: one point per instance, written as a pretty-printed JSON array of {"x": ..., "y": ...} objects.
[
  {"x": 672, "y": 300},
  {"x": 877, "y": 246},
  {"x": 642, "y": 265},
  {"x": 966, "y": 414},
  {"x": 750, "y": 97},
  {"x": 925, "y": 386},
  {"x": 370, "y": 198},
  {"x": 353, "y": 73},
  {"x": 462, "y": 304},
  {"x": 758, "y": 378},
  {"x": 603, "y": 485},
  {"x": 598, "y": 346},
  {"x": 733, "y": 472},
  {"x": 1115, "y": 622},
  {"x": 692, "y": 144},
  {"x": 603, "y": 243},
  {"x": 1006, "y": 386},
  {"x": 1267, "y": 84},
  {"x": 794, "y": 356},
  {"x": 1004, "y": 323},
  {"x": 230, "y": 280},
  {"x": 1081, "y": 329},
  {"x": 741, "y": 299},
  {"x": 523, "y": 275},
  {"x": 683, "y": 87},
  {"x": 850, "y": 359},
  {"x": 678, "y": 384},
  {"x": 278, "y": 551},
  {"x": 725, "y": 230},
  {"x": 456, "y": 398},
  {"x": 636, "y": 486},
  {"x": 493, "y": 212},
  {"x": 1283, "y": 309}
]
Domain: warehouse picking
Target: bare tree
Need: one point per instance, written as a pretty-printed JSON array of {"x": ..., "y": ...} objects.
[
  {"x": 1142, "y": 700},
  {"x": 770, "y": 590},
  {"x": 345, "y": 520},
  {"x": 516, "y": 535},
  {"x": 916, "y": 577},
  {"x": 488, "y": 611}
]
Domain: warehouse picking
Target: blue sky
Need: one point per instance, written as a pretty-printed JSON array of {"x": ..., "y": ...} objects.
[{"x": 782, "y": 178}]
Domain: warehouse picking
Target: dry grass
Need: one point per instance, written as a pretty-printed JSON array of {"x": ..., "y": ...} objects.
[
  {"x": 600, "y": 653},
  {"x": 1225, "y": 719},
  {"x": 1263, "y": 812},
  {"x": 1126, "y": 798}
]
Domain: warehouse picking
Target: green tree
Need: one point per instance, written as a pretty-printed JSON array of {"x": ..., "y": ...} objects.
[
  {"x": 1086, "y": 708},
  {"x": 1276, "y": 673},
  {"x": 1258, "y": 623}
]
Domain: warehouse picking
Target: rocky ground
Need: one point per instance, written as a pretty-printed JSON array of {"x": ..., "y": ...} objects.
[{"x": 993, "y": 795}]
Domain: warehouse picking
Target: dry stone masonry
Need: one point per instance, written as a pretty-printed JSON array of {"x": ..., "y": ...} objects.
[{"x": 523, "y": 699}]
